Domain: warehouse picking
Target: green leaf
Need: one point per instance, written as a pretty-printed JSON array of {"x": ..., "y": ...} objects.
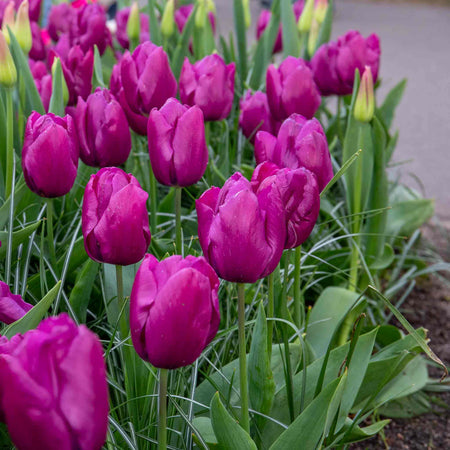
[
  {"x": 391, "y": 102},
  {"x": 229, "y": 433},
  {"x": 56, "y": 100},
  {"x": 310, "y": 424},
  {"x": 19, "y": 237},
  {"x": 239, "y": 24},
  {"x": 98, "y": 69},
  {"x": 204, "y": 427},
  {"x": 33, "y": 100},
  {"x": 34, "y": 316},
  {"x": 291, "y": 41},
  {"x": 412, "y": 405},
  {"x": 20, "y": 190},
  {"x": 361, "y": 434},
  {"x": 155, "y": 31}
]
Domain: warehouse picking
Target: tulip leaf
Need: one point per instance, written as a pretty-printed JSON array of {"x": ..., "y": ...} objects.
[
  {"x": 19, "y": 191},
  {"x": 204, "y": 427},
  {"x": 33, "y": 100},
  {"x": 387, "y": 109},
  {"x": 98, "y": 69},
  {"x": 291, "y": 41},
  {"x": 155, "y": 30},
  {"x": 239, "y": 24},
  {"x": 57, "y": 99},
  {"x": 260, "y": 377},
  {"x": 360, "y": 434},
  {"x": 34, "y": 316},
  {"x": 19, "y": 237},
  {"x": 230, "y": 435}
]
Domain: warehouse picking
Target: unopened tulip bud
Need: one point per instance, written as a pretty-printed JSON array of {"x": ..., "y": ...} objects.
[
  {"x": 313, "y": 36},
  {"x": 8, "y": 20},
  {"x": 320, "y": 10},
  {"x": 211, "y": 6},
  {"x": 365, "y": 101},
  {"x": 167, "y": 21},
  {"x": 22, "y": 28},
  {"x": 247, "y": 15},
  {"x": 200, "y": 15},
  {"x": 305, "y": 21},
  {"x": 64, "y": 84},
  {"x": 8, "y": 73},
  {"x": 133, "y": 24}
]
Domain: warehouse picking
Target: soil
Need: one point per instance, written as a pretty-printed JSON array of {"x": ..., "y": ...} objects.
[{"x": 427, "y": 306}]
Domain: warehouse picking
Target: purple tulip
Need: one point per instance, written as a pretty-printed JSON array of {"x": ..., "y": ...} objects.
[
  {"x": 241, "y": 232},
  {"x": 143, "y": 81},
  {"x": 291, "y": 89},
  {"x": 103, "y": 132},
  {"x": 50, "y": 154},
  {"x": 121, "y": 33},
  {"x": 78, "y": 69},
  {"x": 38, "y": 50},
  {"x": 176, "y": 144},
  {"x": 174, "y": 310},
  {"x": 60, "y": 20},
  {"x": 182, "y": 14},
  {"x": 255, "y": 115},
  {"x": 12, "y": 307},
  {"x": 334, "y": 63},
  {"x": 300, "y": 143},
  {"x": 209, "y": 84},
  {"x": 43, "y": 81},
  {"x": 114, "y": 218},
  {"x": 299, "y": 193},
  {"x": 54, "y": 391}
]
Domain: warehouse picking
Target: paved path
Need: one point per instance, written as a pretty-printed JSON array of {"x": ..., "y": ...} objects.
[{"x": 415, "y": 44}]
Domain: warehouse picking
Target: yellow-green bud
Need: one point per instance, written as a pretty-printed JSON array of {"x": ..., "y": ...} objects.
[
  {"x": 313, "y": 36},
  {"x": 321, "y": 10},
  {"x": 247, "y": 14},
  {"x": 65, "y": 89},
  {"x": 8, "y": 72},
  {"x": 134, "y": 23},
  {"x": 22, "y": 29},
  {"x": 211, "y": 6},
  {"x": 167, "y": 20},
  {"x": 8, "y": 20},
  {"x": 365, "y": 100},
  {"x": 201, "y": 14},
  {"x": 306, "y": 17}
]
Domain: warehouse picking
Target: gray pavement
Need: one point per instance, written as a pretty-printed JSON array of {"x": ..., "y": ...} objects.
[{"x": 415, "y": 44}]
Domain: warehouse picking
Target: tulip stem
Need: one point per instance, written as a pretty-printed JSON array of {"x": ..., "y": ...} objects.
[
  {"x": 120, "y": 302},
  {"x": 270, "y": 311},
  {"x": 298, "y": 298},
  {"x": 9, "y": 142},
  {"x": 153, "y": 202},
  {"x": 162, "y": 426},
  {"x": 178, "y": 240},
  {"x": 51, "y": 242},
  {"x": 245, "y": 419}
]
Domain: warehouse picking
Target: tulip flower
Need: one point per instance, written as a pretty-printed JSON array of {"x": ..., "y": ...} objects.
[
  {"x": 300, "y": 143},
  {"x": 142, "y": 81},
  {"x": 209, "y": 84},
  {"x": 299, "y": 193},
  {"x": 12, "y": 307},
  {"x": 122, "y": 17},
  {"x": 8, "y": 72},
  {"x": 174, "y": 310},
  {"x": 54, "y": 393},
  {"x": 43, "y": 81},
  {"x": 255, "y": 115},
  {"x": 176, "y": 144},
  {"x": 50, "y": 154},
  {"x": 334, "y": 63},
  {"x": 114, "y": 218},
  {"x": 22, "y": 29},
  {"x": 241, "y": 232},
  {"x": 38, "y": 50},
  {"x": 60, "y": 19},
  {"x": 102, "y": 129},
  {"x": 8, "y": 20},
  {"x": 182, "y": 14},
  {"x": 291, "y": 89}
]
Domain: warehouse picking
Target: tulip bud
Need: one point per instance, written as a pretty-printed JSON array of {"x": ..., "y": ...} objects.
[
  {"x": 65, "y": 89},
  {"x": 306, "y": 17},
  {"x": 365, "y": 100},
  {"x": 167, "y": 20},
  {"x": 12, "y": 307},
  {"x": 320, "y": 10},
  {"x": 8, "y": 20},
  {"x": 8, "y": 72},
  {"x": 200, "y": 16},
  {"x": 313, "y": 37},
  {"x": 22, "y": 29},
  {"x": 174, "y": 310},
  {"x": 134, "y": 24},
  {"x": 247, "y": 13},
  {"x": 211, "y": 6}
]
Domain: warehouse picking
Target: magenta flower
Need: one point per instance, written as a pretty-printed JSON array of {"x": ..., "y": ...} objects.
[
  {"x": 334, "y": 63},
  {"x": 103, "y": 131},
  {"x": 241, "y": 232},
  {"x": 114, "y": 218},
  {"x": 54, "y": 393},
  {"x": 174, "y": 310},
  {"x": 209, "y": 84},
  {"x": 300, "y": 143},
  {"x": 182, "y": 14},
  {"x": 12, "y": 307},
  {"x": 176, "y": 144},
  {"x": 50, "y": 154},
  {"x": 121, "y": 33},
  {"x": 38, "y": 50},
  {"x": 142, "y": 81},
  {"x": 299, "y": 193},
  {"x": 60, "y": 20},
  {"x": 291, "y": 89}
]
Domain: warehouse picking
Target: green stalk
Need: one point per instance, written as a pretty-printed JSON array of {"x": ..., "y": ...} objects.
[
  {"x": 123, "y": 325},
  {"x": 9, "y": 142},
  {"x": 153, "y": 202},
  {"x": 245, "y": 419},
  {"x": 178, "y": 241},
  {"x": 162, "y": 425},
  {"x": 298, "y": 298},
  {"x": 51, "y": 242},
  {"x": 270, "y": 310}
]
